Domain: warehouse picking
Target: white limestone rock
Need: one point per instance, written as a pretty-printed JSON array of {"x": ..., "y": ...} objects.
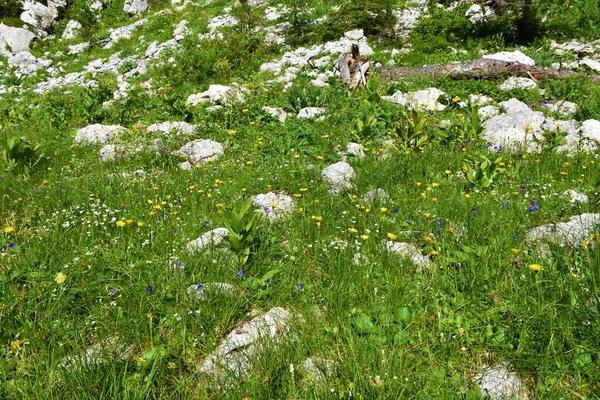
[
  {"x": 221, "y": 21},
  {"x": 41, "y": 16},
  {"x": 71, "y": 30},
  {"x": 27, "y": 64},
  {"x": 576, "y": 47},
  {"x": 563, "y": 107},
  {"x": 339, "y": 176},
  {"x": 311, "y": 112},
  {"x": 479, "y": 100},
  {"x": 478, "y": 14},
  {"x": 211, "y": 239},
  {"x": 274, "y": 206},
  {"x": 181, "y": 30},
  {"x": 318, "y": 370},
  {"x": 499, "y": 383},
  {"x": 488, "y": 112},
  {"x": 410, "y": 251},
  {"x": 109, "y": 350},
  {"x": 375, "y": 195},
  {"x": 135, "y": 7},
  {"x": 111, "y": 152},
  {"x": 174, "y": 127},
  {"x": 97, "y": 134},
  {"x": 219, "y": 94},
  {"x": 276, "y": 112},
  {"x": 356, "y": 34},
  {"x": 592, "y": 64},
  {"x": 234, "y": 356},
  {"x": 78, "y": 48},
  {"x": 571, "y": 233},
  {"x": 517, "y": 82},
  {"x": 201, "y": 151},
  {"x": 576, "y": 197},
  {"x": 356, "y": 149},
  {"x": 14, "y": 40},
  {"x": 516, "y": 128},
  {"x": 422, "y": 100},
  {"x": 511, "y": 56}
]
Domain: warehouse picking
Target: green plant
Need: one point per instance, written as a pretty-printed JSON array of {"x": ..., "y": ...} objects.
[
  {"x": 409, "y": 131},
  {"x": 18, "y": 155},
  {"x": 242, "y": 228},
  {"x": 481, "y": 174}
]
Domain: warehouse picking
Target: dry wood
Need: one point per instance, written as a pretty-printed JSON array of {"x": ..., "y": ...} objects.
[{"x": 478, "y": 69}]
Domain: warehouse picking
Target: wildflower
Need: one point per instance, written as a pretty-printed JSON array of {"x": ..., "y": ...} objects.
[
  {"x": 352, "y": 230},
  {"x": 114, "y": 291},
  {"x": 364, "y": 237},
  {"x": 515, "y": 251},
  {"x": 320, "y": 158},
  {"x": 434, "y": 253},
  {"x": 140, "y": 224},
  {"x": 391, "y": 236},
  {"x": 232, "y": 132},
  {"x": 467, "y": 196},
  {"x": 383, "y": 210},
  {"x": 9, "y": 229},
  {"x": 149, "y": 288},
  {"x": 11, "y": 245},
  {"x": 528, "y": 128},
  {"x": 60, "y": 278},
  {"x": 473, "y": 210},
  {"x": 408, "y": 221},
  {"x": 451, "y": 229},
  {"x": 516, "y": 261},
  {"x": 447, "y": 172},
  {"x": 456, "y": 99},
  {"x": 129, "y": 221},
  {"x": 535, "y": 267},
  {"x": 171, "y": 365},
  {"x": 240, "y": 273},
  {"x": 299, "y": 286}
]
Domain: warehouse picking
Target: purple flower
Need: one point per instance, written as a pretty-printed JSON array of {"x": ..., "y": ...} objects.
[
  {"x": 533, "y": 202},
  {"x": 515, "y": 238},
  {"x": 149, "y": 288},
  {"x": 527, "y": 176},
  {"x": 438, "y": 222},
  {"x": 504, "y": 205},
  {"x": 11, "y": 245},
  {"x": 396, "y": 210},
  {"x": 206, "y": 223},
  {"x": 522, "y": 187},
  {"x": 114, "y": 292},
  {"x": 516, "y": 261},
  {"x": 299, "y": 286},
  {"x": 473, "y": 210},
  {"x": 408, "y": 221},
  {"x": 240, "y": 273},
  {"x": 179, "y": 264},
  {"x": 200, "y": 287}
]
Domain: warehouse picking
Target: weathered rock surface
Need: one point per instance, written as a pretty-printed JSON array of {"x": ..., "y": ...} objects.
[
  {"x": 499, "y": 383},
  {"x": 511, "y": 56},
  {"x": 214, "y": 238},
  {"x": 274, "y": 206},
  {"x": 201, "y": 151},
  {"x": 177, "y": 127},
  {"x": 410, "y": 251},
  {"x": 71, "y": 30},
  {"x": 97, "y": 134},
  {"x": 517, "y": 82},
  {"x": 571, "y": 233},
  {"x": 219, "y": 94},
  {"x": 14, "y": 40},
  {"x": 422, "y": 100},
  {"x": 135, "y": 7},
  {"x": 339, "y": 176}
]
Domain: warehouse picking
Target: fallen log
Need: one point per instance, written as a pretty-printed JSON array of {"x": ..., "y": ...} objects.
[{"x": 478, "y": 69}]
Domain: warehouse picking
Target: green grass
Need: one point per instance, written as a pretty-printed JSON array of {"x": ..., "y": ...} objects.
[{"x": 71, "y": 277}]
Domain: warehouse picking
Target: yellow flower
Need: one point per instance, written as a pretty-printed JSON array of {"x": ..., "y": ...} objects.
[
  {"x": 317, "y": 218},
  {"x": 296, "y": 156},
  {"x": 364, "y": 237},
  {"x": 121, "y": 224},
  {"x": 467, "y": 196},
  {"x": 9, "y": 229},
  {"x": 451, "y": 229},
  {"x": 303, "y": 189},
  {"x": 129, "y": 221},
  {"x": 434, "y": 253},
  {"x": 16, "y": 344},
  {"x": 447, "y": 172},
  {"x": 456, "y": 99},
  {"x": 528, "y": 128},
  {"x": 352, "y": 230},
  {"x": 536, "y": 267},
  {"x": 383, "y": 210},
  {"x": 418, "y": 184},
  {"x": 60, "y": 278},
  {"x": 515, "y": 251},
  {"x": 391, "y": 236},
  {"x": 320, "y": 158},
  {"x": 140, "y": 224},
  {"x": 231, "y": 132}
]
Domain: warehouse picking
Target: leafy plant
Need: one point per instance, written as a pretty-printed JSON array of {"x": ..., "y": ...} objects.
[
  {"x": 243, "y": 237},
  {"x": 18, "y": 155},
  {"x": 469, "y": 128},
  {"x": 481, "y": 174},
  {"x": 410, "y": 129}
]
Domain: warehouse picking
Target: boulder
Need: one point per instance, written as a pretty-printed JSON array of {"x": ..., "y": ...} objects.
[
  {"x": 40, "y": 16},
  {"x": 511, "y": 56},
  {"x": 135, "y": 7},
  {"x": 274, "y": 206},
  {"x": 97, "y": 133},
  {"x": 14, "y": 40},
  {"x": 214, "y": 238},
  {"x": 71, "y": 30},
  {"x": 339, "y": 176},
  {"x": 201, "y": 151},
  {"x": 422, "y": 100},
  {"x": 515, "y": 82},
  {"x": 499, "y": 383},
  {"x": 571, "y": 233}
]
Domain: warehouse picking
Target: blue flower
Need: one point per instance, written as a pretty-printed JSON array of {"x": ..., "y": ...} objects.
[
  {"x": 200, "y": 287},
  {"x": 299, "y": 286},
  {"x": 11, "y": 245},
  {"x": 114, "y": 292},
  {"x": 240, "y": 273},
  {"x": 438, "y": 222},
  {"x": 149, "y": 288}
]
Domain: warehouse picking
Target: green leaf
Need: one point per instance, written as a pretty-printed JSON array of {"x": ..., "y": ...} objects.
[{"x": 362, "y": 323}]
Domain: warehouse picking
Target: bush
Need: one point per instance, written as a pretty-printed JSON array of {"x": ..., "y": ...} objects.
[{"x": 10, "y": 8}]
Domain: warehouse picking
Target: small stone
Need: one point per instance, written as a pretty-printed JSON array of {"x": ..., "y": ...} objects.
[
  {"x": 311, "y": 112},
  {"x": 71, "y": 30},
  {"x": 571, "y": 233},
  {"x": 318, "y": 369},
  {"x": 135, "y": 7},
  {"x": 511, "y": 56},
  {"x": 498, "y": 383},
  {"x": 422, "y": 100},
  {"x": 375, "y": 195},
  {"x": 201, "y": 151},
  {"x": 276, "y": 112},
  {"x": 219, "y": 94},
  {"x": 576, "y": 197},
  {"x": 214, "y": 238},
  {"x": 410, "y": 251},
  {"x": 356, "y": 149},
  {"x": 356, "y": 34},
  {"x": 274, "y": 206},
  {"x": 97, "y": 133},
  {"x": 518, "y": 83},
  {"x": 177, "y": 127},
  {"x": 339, "y": 175}
]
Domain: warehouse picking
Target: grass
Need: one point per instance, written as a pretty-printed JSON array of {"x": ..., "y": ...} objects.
[{"x": 72, "y": 277}]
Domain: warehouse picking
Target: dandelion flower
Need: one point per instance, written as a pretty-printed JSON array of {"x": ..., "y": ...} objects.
[
  {"x": 352, "y": 230},
  {"x": 535, "y": 267},
  {"x": 9, "y": 229},
  {"x": 391, "y": 236},
  {"x": 121, "y": 224},
  {"x": 60, "y": 278},
  {"x": 364, "y": 237}
]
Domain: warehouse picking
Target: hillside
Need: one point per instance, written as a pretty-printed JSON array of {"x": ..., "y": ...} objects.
[{"x": 195, "y": 204}]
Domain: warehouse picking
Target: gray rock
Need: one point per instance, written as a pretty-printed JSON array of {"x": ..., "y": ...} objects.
[
  {"x": 591, "y": 64},
  {"x": 234, "y": 356},
  {"x": 27, "y": 64},
  {"x": 176, "y": 127},
  {"x": 109, "y": 350},
  {"x": 201, "y": 291},
  {"x": 563, "y": 107},
  {"x": 590, "y": 129},
  {"x": 78, "y": 48},
  {"x": 311, "y": 112},
  {"x": 71, "y": 30},
  {"x": 219, "y": 94},
  {"x": 111, "y": 152},
  {"x": 423, "y": 100},
  {"x": 181, "y": 30},
  {"x": 499, "y": 383},
  {"x": 488, "y": 112},
  {"x": 123, "y": 32},
  {"x": 518, "y": 127},
  {"x": 97, "y": 133},
  {"x": 575, "y": 47},
  {"x": 571, "y": 233},
  {"x": 339, "y": 176},
  {"x": 14, "y": 40},
  {"x": 135, "y": 7},
  {"x": 221, "y": 21},
  {"x": 356, "y": 149},
  {"x": 318, "y": 369},
  {"x": 41, "y": 16},
  {"x": 575, "y": 196},
  {"x": 276, "y": 112},
  {"x": 410, "y": 251},
  {"x": 356, "y": 34},
  {"x": 515, "y": 82},
  {"x": 211, "y": 239},
  {"x": 375, "y": 195},
  {"x": 478, "y": 14},
  {"x": 201, "y": 151},
  {"x": 511, "y": 56},
  {"x": 274, "y": 206}
]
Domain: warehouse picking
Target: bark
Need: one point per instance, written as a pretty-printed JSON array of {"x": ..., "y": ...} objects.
[{"x": 478, "y": 69}]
